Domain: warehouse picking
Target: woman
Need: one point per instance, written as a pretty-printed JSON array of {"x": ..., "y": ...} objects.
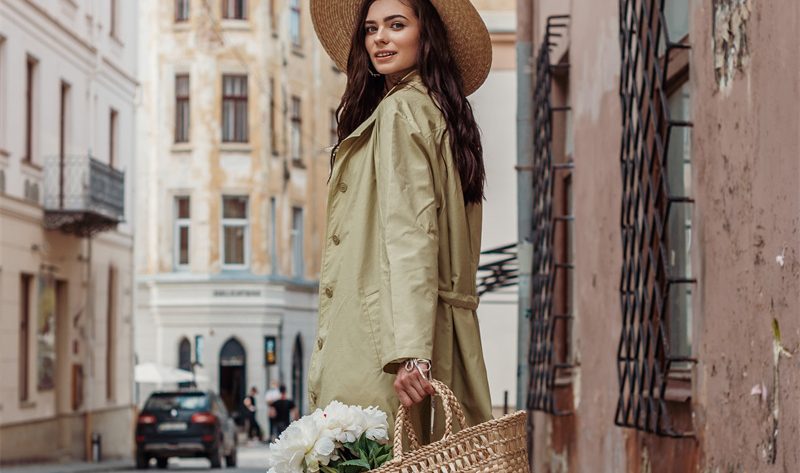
[{"x": 397, "y": 287}]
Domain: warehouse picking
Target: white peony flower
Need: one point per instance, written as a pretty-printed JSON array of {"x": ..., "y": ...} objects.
[
  {"x": 376, "y": 425},
  {"x": 318, "y": 438}
]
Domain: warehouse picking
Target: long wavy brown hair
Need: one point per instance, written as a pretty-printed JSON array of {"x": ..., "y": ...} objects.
[{"x": 439, "y": 73}]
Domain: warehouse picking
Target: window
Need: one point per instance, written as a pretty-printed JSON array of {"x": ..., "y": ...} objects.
[
  {"x": 31, "y": 99},
  {"x": 113, "y": 20},
  {"x": 679, "y": 225},
  {"x": 294, "y": 23},
  {"x": 334, "y": 128},
  {"x": 273, "y": 14},
  {"x": 25, "y": 306},
  {"x": 62, "y": 138},
  {"x": 234, "y": 109},
  {"x": 112, "y": 137},
  {"x": 273, "y": 234},
  {"x": 181, "y": 10},
  {"x": 297, "y": 242},
  {"x": 182, "y": 225},
  {"x": 234, "y": 9},
  {"x": 111, "y": 333},
  {"x": 182, "y": 108},
  {"x": 654, "y": 354},
  {"x": 235, "y": 232},
  {"x": 297, "y": 128},
  {"x": 185, "y": 359},
  {"x": 273, "y": 118}
]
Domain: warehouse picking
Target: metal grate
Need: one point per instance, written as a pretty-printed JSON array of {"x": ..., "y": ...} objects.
[
  {"x": 644, "y": 362},
  {"x": 544, "y": 360},
  {"x": 498, "y": 269}
]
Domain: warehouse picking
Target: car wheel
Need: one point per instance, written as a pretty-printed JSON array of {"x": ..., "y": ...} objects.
[
  {"x": 215, "y": 457},
  {"x": 162, "y": 463},
  {"x": 142, "y": 462},
  {"x": 230, "y": 460}
]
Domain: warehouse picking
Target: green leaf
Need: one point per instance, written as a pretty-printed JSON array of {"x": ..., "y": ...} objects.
[
  {"x": 357, "y": 462},
  {"x": 327, "y": 469}
]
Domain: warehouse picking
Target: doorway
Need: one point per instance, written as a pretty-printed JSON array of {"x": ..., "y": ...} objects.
[
  {"x": 297, "y": 373},
  {"x": 232, "y": 378}
]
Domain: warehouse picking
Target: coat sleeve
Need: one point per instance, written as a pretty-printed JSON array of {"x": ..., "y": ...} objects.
[{"x": 408, "y": 217}]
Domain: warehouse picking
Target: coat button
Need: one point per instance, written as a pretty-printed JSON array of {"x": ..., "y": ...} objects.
[
  {"x": 329, "y": 292},
  {"x": 320, "y": 343},
  {"x": 342, "y": 187},
  {"x": 336, "y": 239}
]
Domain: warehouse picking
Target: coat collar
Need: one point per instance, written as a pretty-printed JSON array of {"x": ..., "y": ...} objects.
[{"x": 412, "y": 79}]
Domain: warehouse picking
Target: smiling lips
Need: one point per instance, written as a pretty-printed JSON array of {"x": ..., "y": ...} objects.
[{"x": 384, "y": 55}]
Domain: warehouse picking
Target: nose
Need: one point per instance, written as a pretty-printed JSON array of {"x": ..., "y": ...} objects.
[{"x": 380, "y": 35}]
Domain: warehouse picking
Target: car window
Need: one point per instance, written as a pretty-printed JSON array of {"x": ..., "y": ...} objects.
[{"x": 181, "y": 401}]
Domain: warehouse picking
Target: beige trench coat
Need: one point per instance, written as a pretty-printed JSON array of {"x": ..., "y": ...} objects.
[{"x": 399, "y": 263}]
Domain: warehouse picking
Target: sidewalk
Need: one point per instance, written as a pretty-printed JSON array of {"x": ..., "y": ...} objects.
[{"x": 78, "y": 467}]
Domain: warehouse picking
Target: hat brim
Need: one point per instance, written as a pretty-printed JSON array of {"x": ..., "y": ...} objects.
[{"x": 470, "y": 43}]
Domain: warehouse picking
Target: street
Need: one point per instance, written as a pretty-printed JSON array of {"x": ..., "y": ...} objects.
[{"x": 252, "y": 459}]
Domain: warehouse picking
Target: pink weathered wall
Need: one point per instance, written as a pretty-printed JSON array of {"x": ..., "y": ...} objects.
[{"x": 746, "y": 242}]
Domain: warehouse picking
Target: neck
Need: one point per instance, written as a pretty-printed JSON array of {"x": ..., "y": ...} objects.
[{"x": 394, "y": 79}]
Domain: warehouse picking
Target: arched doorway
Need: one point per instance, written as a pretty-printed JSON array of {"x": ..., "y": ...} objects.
[
  {"x": 185, "y": 358},
  {"x": 297, "y": 373},
  {"x": 232, "y": 369}
]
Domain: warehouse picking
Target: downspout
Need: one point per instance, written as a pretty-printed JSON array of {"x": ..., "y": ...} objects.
[{"x": 524, "y": 189}]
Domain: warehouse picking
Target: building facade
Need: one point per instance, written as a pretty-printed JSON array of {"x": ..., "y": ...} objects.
[
  {"x": 236, "y": 123},
  {"x": 67, "y": 92},
  {"x": 664, "y": 228}
]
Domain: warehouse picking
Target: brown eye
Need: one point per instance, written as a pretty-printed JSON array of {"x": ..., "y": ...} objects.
[{"x": 370, "y": 29}]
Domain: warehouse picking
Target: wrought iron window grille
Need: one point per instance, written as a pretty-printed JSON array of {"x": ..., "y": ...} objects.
[
  {"x": 644, "y": 361},
  {"x": 545, "y": 363}
]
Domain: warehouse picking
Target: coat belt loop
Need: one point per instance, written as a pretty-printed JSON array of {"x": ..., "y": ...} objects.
[{"x": 460, "y": 300}]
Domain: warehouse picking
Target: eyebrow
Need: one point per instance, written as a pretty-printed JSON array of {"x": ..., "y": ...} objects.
[{"x": 388, "y": 18}]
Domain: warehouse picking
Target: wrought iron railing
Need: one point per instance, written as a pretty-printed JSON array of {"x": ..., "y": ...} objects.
[
  {"x": 499, "y": 268},
  {"x": 546, "y": 364},
  {"x": 644, "y": 361},
  {"x": 82, "y": 195}
]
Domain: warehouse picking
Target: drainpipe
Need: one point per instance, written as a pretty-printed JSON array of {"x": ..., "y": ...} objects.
[{"x": 524, "y": 189}]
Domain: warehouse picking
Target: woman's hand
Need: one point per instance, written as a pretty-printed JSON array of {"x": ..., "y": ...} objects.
[{"x": 412, "y": 387}]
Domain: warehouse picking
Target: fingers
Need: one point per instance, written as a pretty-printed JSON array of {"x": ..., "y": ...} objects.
[{"x": 412, "y": 388}]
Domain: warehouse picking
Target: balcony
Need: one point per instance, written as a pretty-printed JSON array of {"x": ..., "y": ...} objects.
[{"x": 82, "y": 195}]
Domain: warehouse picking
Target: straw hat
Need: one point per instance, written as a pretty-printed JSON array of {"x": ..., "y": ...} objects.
[{"x": 470, "y": 44}]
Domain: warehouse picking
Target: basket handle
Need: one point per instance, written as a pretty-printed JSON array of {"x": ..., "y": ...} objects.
[{"x": 403, "y": 424}]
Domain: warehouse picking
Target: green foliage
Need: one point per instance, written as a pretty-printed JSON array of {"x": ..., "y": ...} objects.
[{"x": 359, "y": 456}]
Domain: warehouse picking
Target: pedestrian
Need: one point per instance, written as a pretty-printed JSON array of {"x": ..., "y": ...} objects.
[
  {"x": 397, "y": 283},
  {"x": 253, "y": 429},
  {"x": 272, "y": 395},
  {"x": 285, "y": 411}
]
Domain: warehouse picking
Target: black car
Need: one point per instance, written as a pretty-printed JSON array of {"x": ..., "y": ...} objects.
[{"x": 185, "y": 424}]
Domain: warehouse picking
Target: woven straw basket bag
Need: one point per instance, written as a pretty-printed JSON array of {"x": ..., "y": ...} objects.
[{"x": 498, "y": 445}]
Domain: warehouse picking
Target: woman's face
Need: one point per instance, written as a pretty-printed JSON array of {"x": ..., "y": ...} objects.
[{"x": 392, "y": 38}]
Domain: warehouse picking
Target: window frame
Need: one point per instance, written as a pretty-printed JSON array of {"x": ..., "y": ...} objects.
[
  {"x": 296, "y": 24},
  {"x": 31, "y": 105},
  {"x": 235, "y": 223},
  {"x": 180, "y": 223},
  {"x": 112, "y": 299},
  {"x": 240, "y": 108},
  {"x": 183, "y": 109},
  {"x": 113, "y": 137},
  {"x": 239, "y": 8},
  {"x": 296, "y": 120},
  {"x": 298, "y": 242},
  {"x": 182, "y": 11}
]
